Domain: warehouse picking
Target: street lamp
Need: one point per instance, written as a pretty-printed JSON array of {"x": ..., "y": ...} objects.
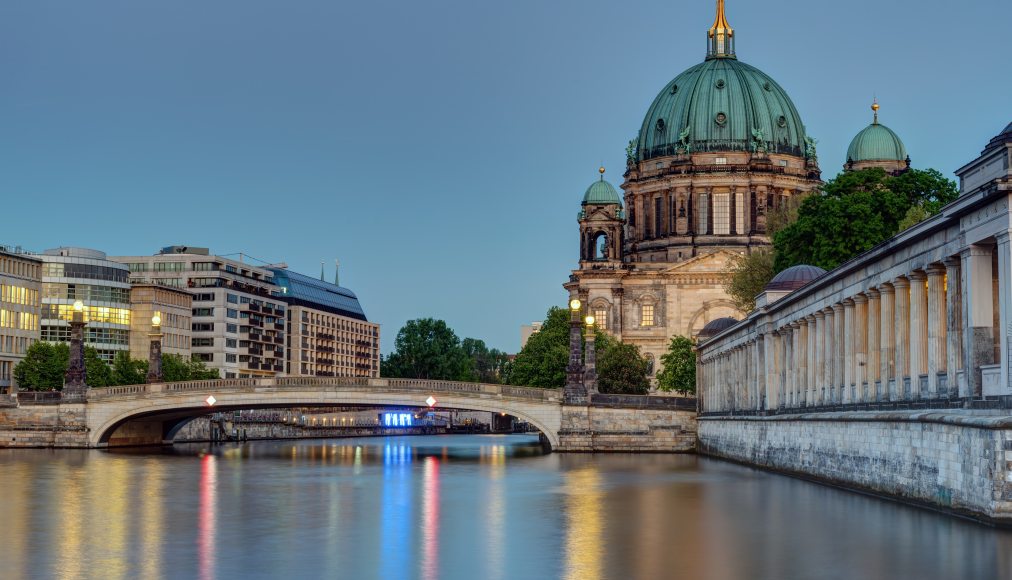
[
  {"x": 75, "y": 383},
  {"x": 155, "y": 351},
  {"x": 575, "y": 391},
  {"x": 590, "y": 362}
]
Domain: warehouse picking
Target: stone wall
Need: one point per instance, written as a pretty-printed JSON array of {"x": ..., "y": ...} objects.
[
  {"x": 44, "y": 426},
  {"x": 605, "y": 429},
  {"x": 954, "y": 461}
]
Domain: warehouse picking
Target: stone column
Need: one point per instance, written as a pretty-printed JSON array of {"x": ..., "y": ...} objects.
[
  {"x": 809, "y": 331},
  {"x": 1005, "y": 310},
  {"x": 887, "y": 343},
  {"x": 826, "y": 396},
  {"x": 937, "y": 358},
  {"x": 954, "y": 325},
  {"x": 838, "y": 354},
  {"x": 848, "y": 351},
  {"x": 815, "y": 389},
  {"x": 758, "y": 367},
  {"x": 795, "y": 363},
  {"x": 978, "y": 304},
  {"x": 860, "y": 347},
  {"x": 770, "y": 362},
  {"x": 805, "y": 347},
  {"x": 918, "y": 331},
  {"x": 874, "y": 329},
  {"x": 902, "y": 343}
]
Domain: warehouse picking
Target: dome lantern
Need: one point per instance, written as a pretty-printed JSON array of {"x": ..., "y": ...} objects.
[{"x": 720, "y": 37}]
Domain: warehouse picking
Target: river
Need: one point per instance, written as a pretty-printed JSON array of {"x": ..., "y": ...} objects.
[{"x": 447, "y": 507}]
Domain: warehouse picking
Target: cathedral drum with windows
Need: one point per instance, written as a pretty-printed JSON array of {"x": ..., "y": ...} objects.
[{"x": 720, "y": 147}]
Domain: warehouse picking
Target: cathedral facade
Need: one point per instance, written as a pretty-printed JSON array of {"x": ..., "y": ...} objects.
[{"x": 721, "y": 145}]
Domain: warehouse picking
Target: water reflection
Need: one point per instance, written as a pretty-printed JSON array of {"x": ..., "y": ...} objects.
[{"x": 456, "y": 507}]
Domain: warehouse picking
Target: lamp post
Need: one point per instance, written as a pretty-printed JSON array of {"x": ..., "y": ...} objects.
[
  {"x": 575, "y": 391},
  {"x": 591, "y": 357},
  {"x": 155, "y": 352},
  {"x": 75, "y": 382}
]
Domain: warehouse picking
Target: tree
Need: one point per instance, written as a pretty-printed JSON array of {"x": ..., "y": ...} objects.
[
  {"x": 176, "y": 368},
  {"x": 128, "y": 371},
  {"x": 428, "y": 349},
  {"x": 749, "y": 275},
  {"x": 856, "y": 211},
  {"x": 487, "y": 364},
  {"x": 915, "y": 215},
  {"x": 621, "y": 369},
  {"x": 543, "y": 360},
  {"x": 679, "y": 362},
  {"x": 43, "y": 367}
]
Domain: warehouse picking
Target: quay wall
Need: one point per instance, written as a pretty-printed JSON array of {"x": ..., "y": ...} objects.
[
  {"x": 624, "y": 430},
  {"x": 953, "y": 461},
  {"x": 46, "y": 425}
]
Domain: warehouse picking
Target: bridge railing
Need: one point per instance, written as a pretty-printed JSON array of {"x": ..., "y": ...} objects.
[{"x": 414, "y": 385}]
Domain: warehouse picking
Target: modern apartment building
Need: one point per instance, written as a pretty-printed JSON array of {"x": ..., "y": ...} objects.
[
  {"x": 174, "y": 306},
  {"x": 20, "y": 303},
  {"x": 328, "y": 332},
  {"x": 70, "y": 274},
  {"x": 237, "y": 320}
]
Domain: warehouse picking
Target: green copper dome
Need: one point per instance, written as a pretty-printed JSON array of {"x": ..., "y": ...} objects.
[
  {"x": 876, "y": 142},
  {"x": 721, "y": 104},
  {"x": 601, "y": 192}
]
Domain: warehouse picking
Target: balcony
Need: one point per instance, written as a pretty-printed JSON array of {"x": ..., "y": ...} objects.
[
  {"x": 253, "y": 307},
  {"x": 279, "y": 325},
  {"x": 279, "y": 368},
  {"x": 279, "y": 340},
  {"x": 256, "y": 323},
  {"x": 324, "y": 336}
]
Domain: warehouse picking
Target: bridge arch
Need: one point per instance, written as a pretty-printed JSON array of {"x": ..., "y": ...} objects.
[{"x": 152, "y": 406}]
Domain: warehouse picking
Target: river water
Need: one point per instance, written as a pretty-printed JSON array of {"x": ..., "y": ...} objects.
[{"x": 469, "y": 507}]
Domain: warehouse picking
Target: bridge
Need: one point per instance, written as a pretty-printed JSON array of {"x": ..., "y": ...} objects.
[{"x": 153, "y": 413}]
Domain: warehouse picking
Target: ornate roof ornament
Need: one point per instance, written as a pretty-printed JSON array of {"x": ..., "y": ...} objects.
[{"x": 720, "y": 37}]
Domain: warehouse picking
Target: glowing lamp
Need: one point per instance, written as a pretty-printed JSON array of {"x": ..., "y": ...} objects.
[
  {"x": 156, "y": 320},
  {"x": 78, "y": 306},
  {"x": 574, "y": 304},
  {"x": 431, "y": 401},
  {"x": 590, "y": 321}
]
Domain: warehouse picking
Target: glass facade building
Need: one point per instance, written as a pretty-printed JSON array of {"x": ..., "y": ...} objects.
[
  {"x": 20, "y": 291},
  {"x": 70, "y": 274}
]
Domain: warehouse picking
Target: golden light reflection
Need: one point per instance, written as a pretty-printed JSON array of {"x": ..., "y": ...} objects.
[
  {"x": 70, "y": 510},
  {"x": 112, "y": 484},
  {"x": 151, "y": 519},
  {"x": 584, "y": 525},
  {"x": 495, "y": 515}
]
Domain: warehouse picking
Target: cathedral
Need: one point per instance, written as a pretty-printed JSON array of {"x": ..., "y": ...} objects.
[{"x": 721, "y": 145}]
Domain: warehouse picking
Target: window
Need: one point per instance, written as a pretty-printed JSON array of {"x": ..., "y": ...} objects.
[
  {"x": 647, "y": 315},
  {"x": 720, "y": 161},
  {"x": 232, "y": 298},
  {"x": 231, "y": 313},
  {"x": 204, "y": 297},
  {"x": 169, "y": 266},
  {"x": 703, "y": 207},
  {"x": 230, "y": 268},
  {"x": 203, "y": 356},
  {"x": 204, "y": 266},
  {"x": 202, "y": 327},
  {"x": 231, "y": 343},
  {"x": 229, "y": 357},
  {"x": 203, "y": 311},
  {"x": 232, "y": 328},
  {"x": 658, "y": 215},
  {"x": 601, "y": 318},
  {"x": 721, "y": 214},
  {"x": 739, "y": 213},
  {"x": 202, "y": 342}
]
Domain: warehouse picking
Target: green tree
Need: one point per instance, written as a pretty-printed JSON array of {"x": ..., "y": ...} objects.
[
  {"x": 128, "y": 371},
  {"x": 543, "y": 360},
  {"x": 487, "y": 364},
  {"x": 176, "y": 368},
  {"x": 915, "y": 215},
  {"x": 428, "y": 349},
  {"x": 856, "y": 211},
  {"x": 621, "y": 369},
  {"x": 679, "y": 362},
  {"x": 749, "y": 275},
  {"x": 43, "y": 367}
]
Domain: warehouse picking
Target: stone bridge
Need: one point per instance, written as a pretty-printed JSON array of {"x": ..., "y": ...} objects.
[{"x": 151, "y": 413}]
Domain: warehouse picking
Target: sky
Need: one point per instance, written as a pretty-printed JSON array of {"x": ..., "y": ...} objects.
[{"x": 439, "y": 149}]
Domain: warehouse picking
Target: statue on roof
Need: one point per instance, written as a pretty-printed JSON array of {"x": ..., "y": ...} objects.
[{"x": 683, "y": 146}]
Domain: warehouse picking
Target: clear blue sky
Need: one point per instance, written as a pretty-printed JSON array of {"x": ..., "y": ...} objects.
[{"x": 440, "y": 149}]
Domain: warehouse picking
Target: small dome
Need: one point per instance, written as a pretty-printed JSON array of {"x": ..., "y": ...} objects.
[
  {"x": 715, "y": 326},
  {"x": 794, "y": 277},
  {"x": 602, "y": 193},
  {"x": 876, "y": 142}
]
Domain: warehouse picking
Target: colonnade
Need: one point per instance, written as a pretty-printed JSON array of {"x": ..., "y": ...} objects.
[{"x": 895, "y": 339}]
